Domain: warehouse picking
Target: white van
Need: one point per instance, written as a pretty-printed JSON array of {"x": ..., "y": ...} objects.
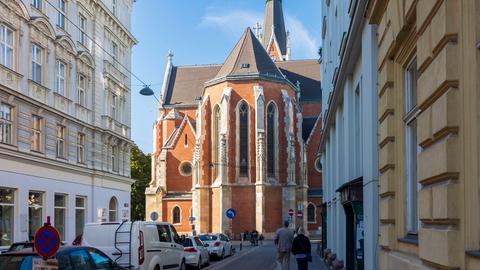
[{"x": 138, "y": 244}]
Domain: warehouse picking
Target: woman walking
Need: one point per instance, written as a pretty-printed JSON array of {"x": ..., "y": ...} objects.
[{"x": 301, "y": 249}]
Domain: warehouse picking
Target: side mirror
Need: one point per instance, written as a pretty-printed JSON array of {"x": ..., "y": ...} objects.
[{"x": 206, "y": 245}]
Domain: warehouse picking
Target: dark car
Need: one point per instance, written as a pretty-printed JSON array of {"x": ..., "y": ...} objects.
[
  {"x": 18, "y": 246},
  {"x": 81, "y": 258}
]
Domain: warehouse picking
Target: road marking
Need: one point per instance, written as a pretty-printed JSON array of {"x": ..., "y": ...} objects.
[{"x": 230, "y": 260}]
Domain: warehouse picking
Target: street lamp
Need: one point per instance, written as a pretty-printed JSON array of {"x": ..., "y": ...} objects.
[{"x": 147, "y": 91}]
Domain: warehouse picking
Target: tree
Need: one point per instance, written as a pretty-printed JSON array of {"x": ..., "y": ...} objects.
[{"x": 140, "y": 171}]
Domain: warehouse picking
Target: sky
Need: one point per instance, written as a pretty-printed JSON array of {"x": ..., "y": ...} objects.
[{"x": 202, "y": 32}]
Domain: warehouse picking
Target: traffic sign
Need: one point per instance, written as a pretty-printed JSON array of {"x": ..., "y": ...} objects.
[
  {"x": 154, "y": 216},
  {"x": 290, "y": 212},
  {"x": 300, "y": 214},
  {"x": 231, "y": 213},
  {"x": 47, "y": 241}
]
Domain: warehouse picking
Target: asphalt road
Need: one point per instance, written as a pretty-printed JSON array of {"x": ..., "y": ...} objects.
[{"x": 262, "y": 257}]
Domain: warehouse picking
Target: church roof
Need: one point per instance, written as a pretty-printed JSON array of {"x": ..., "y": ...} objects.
[
  {"x": 187, "y": 82},
  {"x": 307, "y": 73},
  {"x": 274, "y": 23},
  {"x": 249, "y": 58}
]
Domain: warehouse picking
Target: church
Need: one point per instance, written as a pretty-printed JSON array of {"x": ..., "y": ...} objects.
[{"x": 242, "y": 135}]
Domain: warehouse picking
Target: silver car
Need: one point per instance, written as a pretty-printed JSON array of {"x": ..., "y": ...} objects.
[
  {"x": 219, "y": 245},
  {"x": 196, "y": 254}
]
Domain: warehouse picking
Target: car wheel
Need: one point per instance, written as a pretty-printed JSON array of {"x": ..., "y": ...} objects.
[
  {"x": 182, "y": 266},
  {"x": 223, "y": 254},
  {"x": 231, "y": 251},
  {"x": 157, "y": 267}
]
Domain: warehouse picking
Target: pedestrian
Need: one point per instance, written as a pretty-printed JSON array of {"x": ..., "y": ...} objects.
[
  {"x": 260, "y": 239},
  {"x": 255, "y": 237},
  {"x": 283, "y": 241},
  {"x": 301, "y": 249}
]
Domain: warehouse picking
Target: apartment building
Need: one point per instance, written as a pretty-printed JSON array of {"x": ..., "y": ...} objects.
[{"x": 64, "y": 115}]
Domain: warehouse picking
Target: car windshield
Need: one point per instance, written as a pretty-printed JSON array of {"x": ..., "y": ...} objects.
[
  {"x": 16, "y": 262},
  {"x": 208, "y": 237},
  {"x": 187, "y": 243}
]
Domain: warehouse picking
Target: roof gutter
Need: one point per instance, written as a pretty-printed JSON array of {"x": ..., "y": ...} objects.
[{"x": 337, "y": 93}]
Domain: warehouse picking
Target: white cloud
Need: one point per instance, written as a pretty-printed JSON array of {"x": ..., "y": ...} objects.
[
  {"x": 233, "y": 22},
  {"x": 304, "y": 45}
]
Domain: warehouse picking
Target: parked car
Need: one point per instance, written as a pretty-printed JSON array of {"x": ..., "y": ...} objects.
[
  {"x": 139, "y": 245},
  {"x": 196, "y": 254},
  {"x": 218, "y": 245},
  {"x": 85, "y": 258},
  {"x": 18, "y": 246}
]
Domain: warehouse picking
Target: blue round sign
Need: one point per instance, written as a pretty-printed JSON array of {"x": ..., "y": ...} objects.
[
  {"x": 47, "y": 241},
  {"x": 231, "y": 213}
]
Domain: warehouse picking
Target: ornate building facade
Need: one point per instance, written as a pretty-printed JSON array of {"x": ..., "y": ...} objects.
[
  {"x": 64, "y": 115},
  {"x": 237, "y": 136}
]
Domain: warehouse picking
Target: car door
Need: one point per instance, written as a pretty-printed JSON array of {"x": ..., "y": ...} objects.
[
  {"x": 201, "y": 247},
  {"x": 80, "y": 260},
  {"x": 177, "y": 246},
  {"x": 165, "y": 244},
  {"x": 227, "y": 245}
]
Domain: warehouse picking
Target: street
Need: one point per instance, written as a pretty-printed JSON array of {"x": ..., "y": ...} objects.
[{"x": 261, "y": 257}]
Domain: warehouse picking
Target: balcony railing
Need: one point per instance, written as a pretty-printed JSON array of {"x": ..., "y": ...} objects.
[{"x": 113, "y": 125}]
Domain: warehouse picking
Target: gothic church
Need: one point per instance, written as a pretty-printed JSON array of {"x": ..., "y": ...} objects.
[{"x": 241, "y": 135}]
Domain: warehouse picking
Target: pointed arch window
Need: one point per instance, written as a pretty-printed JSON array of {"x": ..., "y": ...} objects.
[
  {"x": 271, "y": 139},
  {"x": 243, "y": 114},
  {"x": 216, "y": 141},
  {"x": 311, "y": 215},
  {"x": 176, "y": 215},
  {"x": 112, "y": 209}
]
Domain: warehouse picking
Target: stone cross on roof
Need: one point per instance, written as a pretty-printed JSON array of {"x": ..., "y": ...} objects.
[{"x": 257, "y": 29}]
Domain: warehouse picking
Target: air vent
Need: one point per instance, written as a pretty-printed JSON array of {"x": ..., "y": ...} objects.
[{"x": 245, "y": 65}]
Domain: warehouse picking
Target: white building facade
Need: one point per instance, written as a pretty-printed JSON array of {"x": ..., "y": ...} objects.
[
  {"x": 64, "y": 115},
  {"x": 349, "y": 144}
]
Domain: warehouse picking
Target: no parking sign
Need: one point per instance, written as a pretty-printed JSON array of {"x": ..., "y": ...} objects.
[{"x": 47, "y": 240}]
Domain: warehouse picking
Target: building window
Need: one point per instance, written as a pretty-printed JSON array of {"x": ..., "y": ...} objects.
[
  {"x": 216, "y": 141},
  {"x": 37, "y": 4},
  {"x": 36, "y": 64},
  {"x": 186, "y": 168},
  {"x": 112, "y": 210},
  {"x": 412, "y": 149},
  {"x": 318, "y": 164},
  {"x": 6, "y": 46},
  {"x": 311, "y": 215},
  {"x": 114, "y": 158},
  {"x": 7, "y": 210},
  {"x": 61, "y": 13},
  {"x": 60, "y": 141},
  {"x": 35, "y": 213},
  {"x": 82, "y": 86},
  {"x": 60, "y": 82},
  {"x": 80, "y": 214},
  {"x": 83, "y": 29},
  {"x": 114, "y": 107},
  {"x": 60, "y": 213},
  {"x": 81, "y": 148},
  {"x": 114, "y": 7},
  {"x": 271, "y": 139},
  {"x": 6, "y": 123},
  {"x": 36, "y": 133},
  {"x": 114, "y": 53},
  {"x": 176, "y": 215},
  {"x": 243, "y": 112}
]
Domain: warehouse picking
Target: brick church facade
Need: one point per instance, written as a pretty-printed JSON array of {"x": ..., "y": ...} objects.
[{"x": 241, "y": 135}]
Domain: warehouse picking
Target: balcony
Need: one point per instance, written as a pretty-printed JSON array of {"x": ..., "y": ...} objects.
[
  {"x": 115, "y": 126},
  {"x": 114, "y": 73},
  {"x": 10, "y": 78},
  {"x": 83, "y": 113},
  {"x": 61, "y": 103},
  {"x": 38, "y": 91}
]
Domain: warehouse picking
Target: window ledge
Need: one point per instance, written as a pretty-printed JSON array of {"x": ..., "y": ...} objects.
[
  {"x": 11, "y": 70},
  {"x": 409, "y": 239},
  {"x": 473, "y": 253}
]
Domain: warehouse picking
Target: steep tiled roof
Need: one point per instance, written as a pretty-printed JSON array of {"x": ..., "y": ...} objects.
[
  {"x": 187, "y": 82},
  {"x": 307, "y": 72},
  {"x": 249, "y": 58}
]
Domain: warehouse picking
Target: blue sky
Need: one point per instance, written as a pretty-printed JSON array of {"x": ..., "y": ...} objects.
[{"x": 202, "y": 32}]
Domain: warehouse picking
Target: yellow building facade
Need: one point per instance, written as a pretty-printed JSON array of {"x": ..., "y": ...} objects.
[{"x": 429, "y": 133}]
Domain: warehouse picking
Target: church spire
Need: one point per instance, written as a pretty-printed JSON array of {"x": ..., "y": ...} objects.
[{"x": 274, "y": 26}]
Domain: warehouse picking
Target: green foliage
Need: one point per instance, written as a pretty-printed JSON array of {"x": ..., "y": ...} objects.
[{"x": 141, "y": 172}]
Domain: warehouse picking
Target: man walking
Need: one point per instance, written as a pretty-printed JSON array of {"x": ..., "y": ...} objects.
[{"x": 283, "y": 240}]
